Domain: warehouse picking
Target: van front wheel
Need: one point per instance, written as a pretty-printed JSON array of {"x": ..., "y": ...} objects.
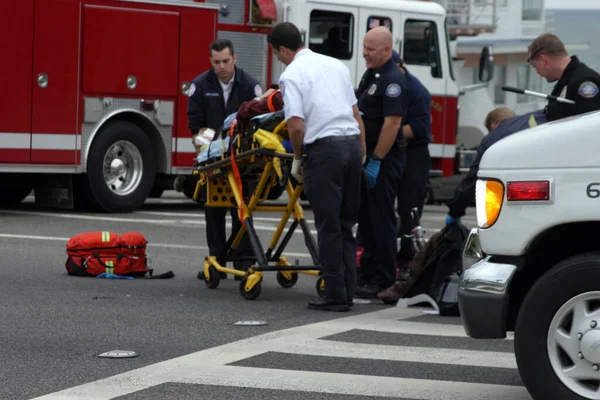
[{"x": 557, "y": 335}]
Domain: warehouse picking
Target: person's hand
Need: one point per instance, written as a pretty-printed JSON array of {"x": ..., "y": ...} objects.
[
  {"x": 450, "y": 220},
  {"x": 364, "y": 159},
  {"x": 372, "y": 171},
  {"x": 297, "y": 169},
  {"x": 196, "y": 147}
]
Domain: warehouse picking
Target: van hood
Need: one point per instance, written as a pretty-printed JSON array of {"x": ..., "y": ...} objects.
[{"x": 572, "y": 142}]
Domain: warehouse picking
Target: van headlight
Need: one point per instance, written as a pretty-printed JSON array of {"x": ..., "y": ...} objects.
[{"x": 489, "y": 195}]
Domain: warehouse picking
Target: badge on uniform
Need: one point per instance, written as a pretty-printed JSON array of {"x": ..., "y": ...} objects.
[
  {"x": 258, "y": 90},
  {"x": 393, "y": 90},
  {"x": 191, "y": 90},
  {"x": 588, "y": 90},
  {"x": 372, "y": 89}
]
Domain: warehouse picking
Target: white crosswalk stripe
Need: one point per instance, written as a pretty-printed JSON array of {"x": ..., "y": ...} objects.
[{"x": 392, "y": 353}]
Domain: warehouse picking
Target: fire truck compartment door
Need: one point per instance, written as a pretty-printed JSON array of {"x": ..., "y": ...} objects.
[
  {"x": 55, "y": 84},
  {"x": 130, "y": 51},
  {"x": 332, "y": 31},
  {"x": 198, "y": 29},
  {"x": 16, "y": 29}
]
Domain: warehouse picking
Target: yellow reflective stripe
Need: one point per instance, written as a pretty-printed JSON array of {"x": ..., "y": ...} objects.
[
  {"x": 106, "y": 236},
  {"x": 110, "y": 267}
]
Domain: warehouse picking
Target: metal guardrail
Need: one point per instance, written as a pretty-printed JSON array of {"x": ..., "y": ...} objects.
[{"x": 470, "y": 17}]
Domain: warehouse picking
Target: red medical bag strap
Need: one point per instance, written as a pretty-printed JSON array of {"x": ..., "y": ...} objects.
[{"x": 236, "y": 172}]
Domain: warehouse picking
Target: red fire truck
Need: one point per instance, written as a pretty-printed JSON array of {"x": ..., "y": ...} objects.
[
  {"x": 94, "y": 99},
  {"x": 94, "y": 95}
]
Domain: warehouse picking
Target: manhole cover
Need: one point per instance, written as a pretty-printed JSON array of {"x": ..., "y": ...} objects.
[
  {"x": 118, "y": 354},
  {"x": 251, "y": 323}
]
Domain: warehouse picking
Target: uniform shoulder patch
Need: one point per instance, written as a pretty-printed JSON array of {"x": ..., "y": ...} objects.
[
  {"x": 588, "y": 89},
  {"x": 393, "y": 90},
  {"x": 282, "y": 88},
  {"x": 192, "y": 89},
  {"x": 258, "y": 90}
]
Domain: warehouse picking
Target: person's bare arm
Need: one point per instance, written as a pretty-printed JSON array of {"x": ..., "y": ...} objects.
[
  {"x": 407, "y": 132},
  {"x": 361, "y": 126},
  {"x": 295, "y": 127},
  {"x": 389, "y": 131}
]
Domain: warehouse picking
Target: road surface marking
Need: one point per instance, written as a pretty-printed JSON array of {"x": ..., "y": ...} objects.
[
  {"x": 156, "y": 221},
  {"x": 210, "y": 366},
  {"x": 150, "y": 244}
]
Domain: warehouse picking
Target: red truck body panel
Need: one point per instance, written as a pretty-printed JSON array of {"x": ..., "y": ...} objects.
[{"x": 88, "y": 49}]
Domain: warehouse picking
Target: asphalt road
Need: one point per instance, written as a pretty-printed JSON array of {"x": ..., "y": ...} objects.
[{"x": 53, "y": 326}]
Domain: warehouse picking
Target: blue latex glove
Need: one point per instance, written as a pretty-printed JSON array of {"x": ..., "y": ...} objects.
[
  {"x": 450, "y": 220},
  {"x": 372, "y": 171},
  {"x": 113, "y": 276}
]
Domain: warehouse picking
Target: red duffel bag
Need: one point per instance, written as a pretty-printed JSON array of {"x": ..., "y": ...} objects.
[{"x": 95, "y": 253}]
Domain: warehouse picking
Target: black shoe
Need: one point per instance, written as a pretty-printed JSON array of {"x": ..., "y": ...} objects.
[
  {"x": 322, "y": 303},
  {"x": 368, "y": 291}
]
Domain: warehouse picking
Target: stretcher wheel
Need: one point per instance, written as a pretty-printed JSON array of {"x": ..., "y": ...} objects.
[
  {"x": 214, "y": 280},
  {"x": 253, "y": 293},
  {"x": 284, "y": 282},
  {"x": 320, "y": 286}
]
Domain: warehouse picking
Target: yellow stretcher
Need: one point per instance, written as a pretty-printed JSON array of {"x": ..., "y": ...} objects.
[{"x": 258, "y": 164}]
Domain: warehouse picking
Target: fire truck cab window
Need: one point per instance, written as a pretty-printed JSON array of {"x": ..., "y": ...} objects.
[
  {"x": 421, "y": 45},
  {"x": 374, "y": 22},
  {"x": 331, "y": 33}
]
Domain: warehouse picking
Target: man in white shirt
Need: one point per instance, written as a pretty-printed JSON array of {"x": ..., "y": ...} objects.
[{"x": 321, "y": 114}]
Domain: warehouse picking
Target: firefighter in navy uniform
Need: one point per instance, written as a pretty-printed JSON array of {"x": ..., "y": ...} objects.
[
  {"x": 412, "y": 188},
  {"x": 576, "y": 81},
  {"x": 215, "y": 94},
  {"x": 383, "y": 101}
]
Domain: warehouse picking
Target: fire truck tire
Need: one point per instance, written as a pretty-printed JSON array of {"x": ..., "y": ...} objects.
[{"x": 120, "y": 168}]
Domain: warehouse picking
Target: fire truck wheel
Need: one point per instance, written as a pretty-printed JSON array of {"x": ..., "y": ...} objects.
[{"x": 120, "y": 168}]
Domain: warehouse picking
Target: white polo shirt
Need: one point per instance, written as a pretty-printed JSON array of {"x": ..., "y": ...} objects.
[
  {"x": 318, "y": 89},
  {"x": 226, "y": 87}
]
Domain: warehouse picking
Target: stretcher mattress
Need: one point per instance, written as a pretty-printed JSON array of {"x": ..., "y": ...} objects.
[{"x": 259, "y": 129}]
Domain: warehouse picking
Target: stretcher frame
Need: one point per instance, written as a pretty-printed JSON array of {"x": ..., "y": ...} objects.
[{"x": 222, "y": 190}]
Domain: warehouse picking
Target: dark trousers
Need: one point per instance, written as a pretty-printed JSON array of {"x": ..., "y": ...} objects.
[
  {"x": 216, "y": 234},
  {"x": 378, "y": 225},
  {"x": 332, "y": 177},
  {"x": 412, "y": 191}
]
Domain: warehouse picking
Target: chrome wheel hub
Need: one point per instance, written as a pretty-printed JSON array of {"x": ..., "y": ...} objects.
[
  {"x": 122, "y": 168},
  {"x": 574, "y": 344}
]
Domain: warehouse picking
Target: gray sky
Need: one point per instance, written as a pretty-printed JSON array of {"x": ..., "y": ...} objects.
[{"x": 571, "y": 4}]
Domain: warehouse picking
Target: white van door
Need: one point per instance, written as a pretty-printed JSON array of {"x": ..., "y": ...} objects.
[
  {"x": 369, "y": 18},
  {"x": 332, "y": 31}
]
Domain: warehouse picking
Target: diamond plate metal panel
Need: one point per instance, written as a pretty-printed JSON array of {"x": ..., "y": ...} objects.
[
  {"x": 98, "y": 111},
  {"x": 232, "y": 11},
  {"x": 252, "y": 50}
]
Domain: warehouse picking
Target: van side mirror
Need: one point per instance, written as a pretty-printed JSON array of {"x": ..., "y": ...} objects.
[{"x": 486, "y": 65}]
